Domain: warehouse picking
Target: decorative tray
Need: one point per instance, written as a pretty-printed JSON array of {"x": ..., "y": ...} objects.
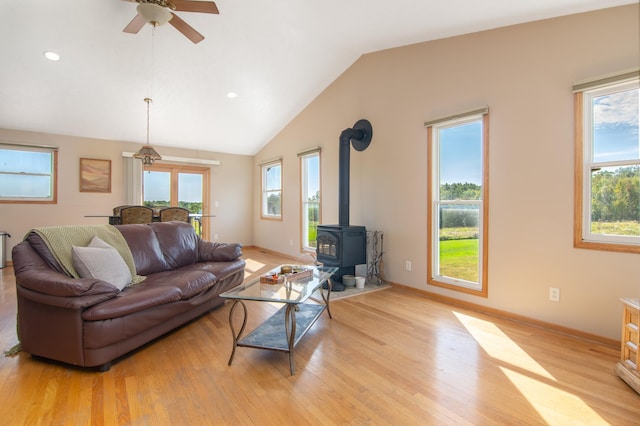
[{"x": 286, "y": 272}]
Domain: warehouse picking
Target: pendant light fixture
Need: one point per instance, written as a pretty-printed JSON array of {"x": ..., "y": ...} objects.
[{"x": 147, "y": 154}]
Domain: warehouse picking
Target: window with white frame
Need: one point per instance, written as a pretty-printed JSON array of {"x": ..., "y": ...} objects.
[
  {"x": 271, "y": 183},
  {"x": 310, "y": 197},
  {"x": 28, "y": 174},
  {"x": 607, "y": 176},
  {"x": 458, "y": 202}
]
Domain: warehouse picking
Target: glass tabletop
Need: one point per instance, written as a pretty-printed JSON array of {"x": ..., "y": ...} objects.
[{"x": 292, "y": 290}]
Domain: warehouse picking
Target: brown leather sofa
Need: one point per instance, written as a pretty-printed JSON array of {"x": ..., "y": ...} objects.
[{"x": 89, "y": 322}]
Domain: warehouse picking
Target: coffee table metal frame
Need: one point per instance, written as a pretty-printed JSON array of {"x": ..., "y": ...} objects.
[{"x": 284, "y": 329}]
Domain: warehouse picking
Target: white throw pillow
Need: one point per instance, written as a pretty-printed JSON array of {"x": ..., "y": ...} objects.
[{"x": 101, "y": 261}]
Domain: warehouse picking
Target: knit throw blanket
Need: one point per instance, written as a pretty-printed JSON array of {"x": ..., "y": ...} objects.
[{"x": 61, "y": 239}]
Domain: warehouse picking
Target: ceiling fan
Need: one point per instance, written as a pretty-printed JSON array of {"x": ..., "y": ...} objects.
[{"x": 158, "y": 12}]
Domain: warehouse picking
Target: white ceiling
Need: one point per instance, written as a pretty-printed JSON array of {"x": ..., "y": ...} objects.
[{"x": 277, "y": 55}]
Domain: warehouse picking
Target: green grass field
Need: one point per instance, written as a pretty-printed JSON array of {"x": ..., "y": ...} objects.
[
  {"x": 459, "y": 259},
  {"x": 630, "y": 228}
]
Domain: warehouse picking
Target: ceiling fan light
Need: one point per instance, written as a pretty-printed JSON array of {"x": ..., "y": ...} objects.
[{"x": 154, "y": 14}]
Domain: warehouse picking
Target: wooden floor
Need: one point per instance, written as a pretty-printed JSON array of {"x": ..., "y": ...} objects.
[{"x": 388, "y": 357}]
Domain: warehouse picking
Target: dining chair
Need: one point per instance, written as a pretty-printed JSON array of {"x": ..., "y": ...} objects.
[
  {"x": 136, "y": 214},
  {"x": 174, "y": 213},
  {"x": 116, "y": 210}
]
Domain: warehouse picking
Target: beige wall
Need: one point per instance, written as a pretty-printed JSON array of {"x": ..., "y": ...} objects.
[
  {"x": 230, "y": 185},
  {"x": 524, "y": 74}
]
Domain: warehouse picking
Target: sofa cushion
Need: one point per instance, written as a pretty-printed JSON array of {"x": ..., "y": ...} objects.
[
  {"x": 178, "y": 242},
  {"x": 101, "y": 261},
  {"x": 220, "y": 269},
  {"x": 133, "y": 299},
  {"x": 145, "y": 248},
  {"x": 209, "y": 251},
  {"x": 189, "y": 282},
  {"x": 157, "y": 289}
]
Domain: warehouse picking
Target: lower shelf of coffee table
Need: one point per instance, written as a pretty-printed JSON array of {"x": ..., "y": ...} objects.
[{"x": 272, "y": 335}]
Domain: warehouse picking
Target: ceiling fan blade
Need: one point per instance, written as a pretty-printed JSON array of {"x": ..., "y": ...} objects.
[
  {"x": 135, "y": 25},
  {"x": 196, "y": 6},
  {"x": 186, "y": 29}
]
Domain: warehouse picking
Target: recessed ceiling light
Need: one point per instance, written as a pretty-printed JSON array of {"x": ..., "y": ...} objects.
[
  {"x": 232, "y": 95},
  {"x": 52, "y": 56}
]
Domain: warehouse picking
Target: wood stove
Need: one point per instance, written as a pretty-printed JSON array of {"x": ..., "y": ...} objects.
[{"x": 344, "y": 245}]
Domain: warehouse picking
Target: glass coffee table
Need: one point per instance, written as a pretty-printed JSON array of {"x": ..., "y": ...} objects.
[{"x": 284, "y": 329}]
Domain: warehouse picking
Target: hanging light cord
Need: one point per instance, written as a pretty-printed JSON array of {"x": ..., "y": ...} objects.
[
  {"x": 153, "y": 49},
  {"x": 147, "y": 154},
  {"x": 148, "y": 101}
]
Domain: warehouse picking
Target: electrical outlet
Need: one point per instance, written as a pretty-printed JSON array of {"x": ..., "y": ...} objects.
[
  {"x": 407, "y": 265},
  {"x": 554, "y": 294},
  {"x": 215, "y": 236},
  {"x": 290, "y": 242}
]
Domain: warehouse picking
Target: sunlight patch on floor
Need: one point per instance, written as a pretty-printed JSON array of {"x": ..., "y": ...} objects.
[
  {"x": 252, "y": 266},
  {"x": 499, "y": 345},
  {"x": 555, "y": 405}
]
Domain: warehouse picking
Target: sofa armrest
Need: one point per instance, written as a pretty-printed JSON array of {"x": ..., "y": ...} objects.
[
  {"x": 33, "y": 273},
  {"x": 218, "y": 252},
  {"x": 66, "y": 302},
  {"x": 59, "y": 285}
]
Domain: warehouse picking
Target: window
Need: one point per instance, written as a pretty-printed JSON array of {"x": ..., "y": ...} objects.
[
  {"x": 28, "y": 174},
  {"x": 271, "y": 190},
  {"x": 457, "y": 197},
  {"x": 607, "y": 175},
  {"x": 310, "y": 197},
  {"x": 167, "y": 185}
]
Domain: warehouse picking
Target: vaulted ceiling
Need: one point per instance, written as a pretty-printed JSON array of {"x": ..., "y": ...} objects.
[{"x": 276, "y": 55}]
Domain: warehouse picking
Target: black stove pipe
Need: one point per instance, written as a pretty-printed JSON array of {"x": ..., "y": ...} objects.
[{"x": 360, "y": 135}]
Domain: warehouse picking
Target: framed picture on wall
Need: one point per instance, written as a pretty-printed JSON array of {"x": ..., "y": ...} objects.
[{"x": 95, "y": 175}]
